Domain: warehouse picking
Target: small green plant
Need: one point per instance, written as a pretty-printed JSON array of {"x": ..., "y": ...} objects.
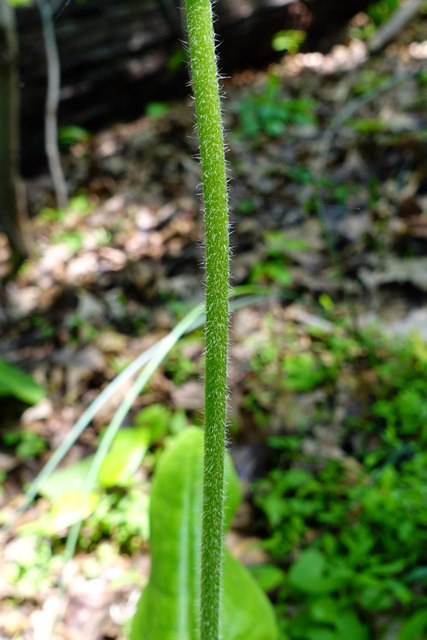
[
  {"x": 274, "y": 268},
  {"x": 49, "y": 214},
  {"x": 71, "y": 135},
  {"x": 179, "y": 366},
  {"x": 79, "y": 206},
  {"x": 288, "y": 40},
  {"x": 305, "y": 371},
  {"x": 269, "y": 113},
  {"x": 358, "y": 527},
  {"x": 34, "y": 567},
  {"x": 27, "y": 444}
]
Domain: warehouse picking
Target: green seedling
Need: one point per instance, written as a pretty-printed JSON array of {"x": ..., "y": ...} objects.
[
  {"x": 377, "y": 14},
  {"x": 79, "y": 205}
]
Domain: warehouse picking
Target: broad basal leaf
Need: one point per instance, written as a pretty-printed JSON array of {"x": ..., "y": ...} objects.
[{"x": 169, "y": 606}]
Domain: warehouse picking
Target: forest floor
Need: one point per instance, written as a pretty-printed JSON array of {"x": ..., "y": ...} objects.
[{"x": 324, "y": 151}]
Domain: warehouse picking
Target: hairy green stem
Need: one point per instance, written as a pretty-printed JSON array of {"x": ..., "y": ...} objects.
[{"x": 209, "y": 125}]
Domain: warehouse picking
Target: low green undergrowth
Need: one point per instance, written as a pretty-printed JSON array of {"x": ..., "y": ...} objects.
[
  {"x": 346, "y": 526},
  {"x": 269, "y": 113},
  {"x": 274, "y": 267}
]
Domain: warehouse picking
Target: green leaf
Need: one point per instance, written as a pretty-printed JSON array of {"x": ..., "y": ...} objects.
[
  {"x": 71, "y": 135},
  {"x": 420, "y": 573},
  {"x": 289, "y": 40},
  {"x": 71, "y": 508},
  {"x": 169, "y": 606},
  {"x": 62, "y": 481},
  {"x": 126, "y": 454},
  {"x": 156, "y": 418},
  {"x": 349, "y": 627},
  {"x": 67, "y": 510},
  {"x": 176, "y": 60},
  {"x": 268, "y": 576},
  {"x": 20, "y": 3},
  {"x": 389, "y": 568},
  {"x": 16, "y": 383},
  {"x": 324, "y": 610},
  {"x": 414, "y": 628},
  {"x": 308, "y": 573},
  {"x": 247, "y": 614},
  {"x": 304, "y": 372},
  {"x": 65, "y": 489},
  {"x": 319, "y": 633}
]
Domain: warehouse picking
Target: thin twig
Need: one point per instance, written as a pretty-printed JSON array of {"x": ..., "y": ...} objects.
[{"x": 52, "y": 101}]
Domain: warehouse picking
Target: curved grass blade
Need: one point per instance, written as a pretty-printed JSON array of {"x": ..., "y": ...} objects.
[
  {"x": 160, "y": 347},
  {"x": 193, "y": 320}
]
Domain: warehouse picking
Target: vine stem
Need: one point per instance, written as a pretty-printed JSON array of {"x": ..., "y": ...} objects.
[{"x": 208, "y": 111}]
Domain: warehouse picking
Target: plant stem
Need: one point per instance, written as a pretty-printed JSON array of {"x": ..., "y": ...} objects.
[{"x": 208, "y": 111}]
